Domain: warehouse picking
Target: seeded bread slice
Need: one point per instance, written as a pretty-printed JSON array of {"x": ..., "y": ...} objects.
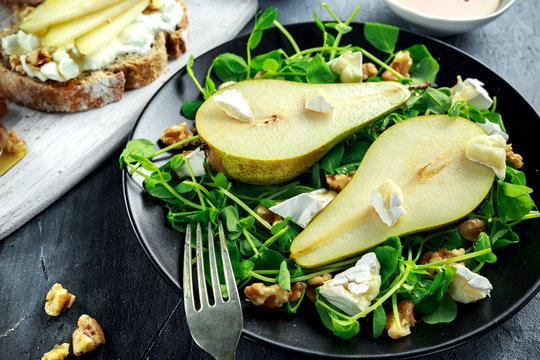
[
  {"x": 21, "y": 2},
  {"x": 92, "y": 88}
]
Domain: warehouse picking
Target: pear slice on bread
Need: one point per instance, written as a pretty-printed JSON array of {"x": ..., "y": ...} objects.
[{"x": 63, "y": 34}]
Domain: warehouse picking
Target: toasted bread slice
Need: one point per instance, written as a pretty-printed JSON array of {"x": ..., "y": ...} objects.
[
  {"x": 21, "y": 2},
  {"x": 92, "y": 88},
  {"x": 3, "y": 107}
]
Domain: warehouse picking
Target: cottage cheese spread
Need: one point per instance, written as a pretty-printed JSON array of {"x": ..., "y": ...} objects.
[{"x": 68, "y": 63}]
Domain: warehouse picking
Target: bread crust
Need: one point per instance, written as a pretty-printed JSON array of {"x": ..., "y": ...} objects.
[
  {"x": 21, "y": 2},
  {"x": 93, "y": 88},
  {"x": 3, "y": 107}
]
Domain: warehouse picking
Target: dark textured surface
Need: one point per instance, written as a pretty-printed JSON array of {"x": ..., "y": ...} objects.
[{"x": 85, "y": 241}]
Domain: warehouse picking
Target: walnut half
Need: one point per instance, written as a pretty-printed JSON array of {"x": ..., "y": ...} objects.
[
  {"x": 514, "y": 158},
  {"x": 402, "y": 64},
  {"x": 338, "y": 182},
  {"x": 440, "y": 255},
  {"x": 59, "y": 352},
  {"x": 470, "y": 229},
  {"x": 273, "y": 296},
  {"x": 177, "y": 133},
  {"x": 58, "y": 300},
  {"x": 88, "y": 336},
  {"x": 406, "y": 320}
]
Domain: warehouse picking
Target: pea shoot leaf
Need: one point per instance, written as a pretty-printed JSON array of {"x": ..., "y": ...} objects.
[
  {"x": 514, "y": 201},
  {"x": 503, "y": 236},
  {"x": 141, "y": 147},
  {"x": 425, "y": 70},
  {"x": 258, "y": 61},
  {"x": 379, "y": 321},
  {"x": 344, "y": 328},
  {"x": 382, "y": 37},
  {"x": 189, "y": 109},
  {"x": 482, "y": 243},
  {"x": 266, "y": 19},
  {"x": 318, "y": 72},
  {"x": 436, "y": 101},
  {"x": 284, "y": 276},
  {"x": 230, "y": 215},
  {"x": 445, "y": 312},
  {"x": 221, "y": 181},
  {"x": 230, "y": 67},
  {"x": 333, "y": 158}
]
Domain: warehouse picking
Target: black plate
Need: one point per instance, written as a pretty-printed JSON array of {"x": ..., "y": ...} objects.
[{"x": 515, "y": 277}]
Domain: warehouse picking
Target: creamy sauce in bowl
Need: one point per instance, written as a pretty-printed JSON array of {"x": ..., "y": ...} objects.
[{"x": 453, "y": 9}]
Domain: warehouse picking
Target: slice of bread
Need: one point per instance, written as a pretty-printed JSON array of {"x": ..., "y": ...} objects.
[
  {"x": 92, "y": 88},
  {"x": 3, "y": 107},
  {"x": 21, "y": 2}
]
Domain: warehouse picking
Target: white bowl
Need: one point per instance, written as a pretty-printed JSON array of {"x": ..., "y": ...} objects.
[{"x": 439, "y": 26}]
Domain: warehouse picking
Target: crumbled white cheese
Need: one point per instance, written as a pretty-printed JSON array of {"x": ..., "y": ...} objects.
[
  {"x": 493, "y": 129},
  {"x": 467, "y": 286},
  {"x": 304, "y": 207},
  {"x": 137, "y": 38},
  {"x": 488, "y": 150},
  {"x": 233, "y": 103},
  {"x": 387, "y": 200},
  {"x": 348, "y": 66},
  {"x": 472, "y": 91},
  {"x": 319, "y": 103},
  {"x": 196, "y": 162},
  {"x": 353, "y": 290}
]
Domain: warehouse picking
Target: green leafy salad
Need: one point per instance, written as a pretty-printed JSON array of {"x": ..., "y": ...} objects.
[{"x": 420, "y": 275}]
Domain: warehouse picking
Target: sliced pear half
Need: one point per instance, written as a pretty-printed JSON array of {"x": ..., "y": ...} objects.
[
  {"x": 285, "y": 138},
  {"x": 425, "y": 158}
]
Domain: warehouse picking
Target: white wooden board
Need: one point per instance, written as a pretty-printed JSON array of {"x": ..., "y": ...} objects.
[{"x": 64, "y": 148}]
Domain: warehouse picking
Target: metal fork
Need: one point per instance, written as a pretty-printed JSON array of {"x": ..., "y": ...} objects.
[{"x": 215, "y": 328}]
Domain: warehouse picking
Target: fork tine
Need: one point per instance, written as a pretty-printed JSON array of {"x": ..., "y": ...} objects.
[
  {"x": 203, "y": 295},
  {"x": 188, "y": 278},
  {"x": 214, "y": 276},
  {"x": 232, "y": 291}
]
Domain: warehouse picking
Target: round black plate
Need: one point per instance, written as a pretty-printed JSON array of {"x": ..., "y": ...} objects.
[{"x": 515, "y": 276}]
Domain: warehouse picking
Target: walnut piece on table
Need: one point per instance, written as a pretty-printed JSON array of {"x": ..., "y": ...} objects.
[
  {"x": 273, "y": 296},
  {"x": 58, "y": 300},
  {"x": 88, "y": 336},
  {"x": 177, "y": 133},
  {"x": 14, "y": 143},
  {"x": 59, "y": 352}
]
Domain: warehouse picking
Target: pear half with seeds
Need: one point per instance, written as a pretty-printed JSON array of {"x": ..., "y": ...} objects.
[
  {"x": 285, "y": 139},
  {"x": 425, "y": 158}
]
